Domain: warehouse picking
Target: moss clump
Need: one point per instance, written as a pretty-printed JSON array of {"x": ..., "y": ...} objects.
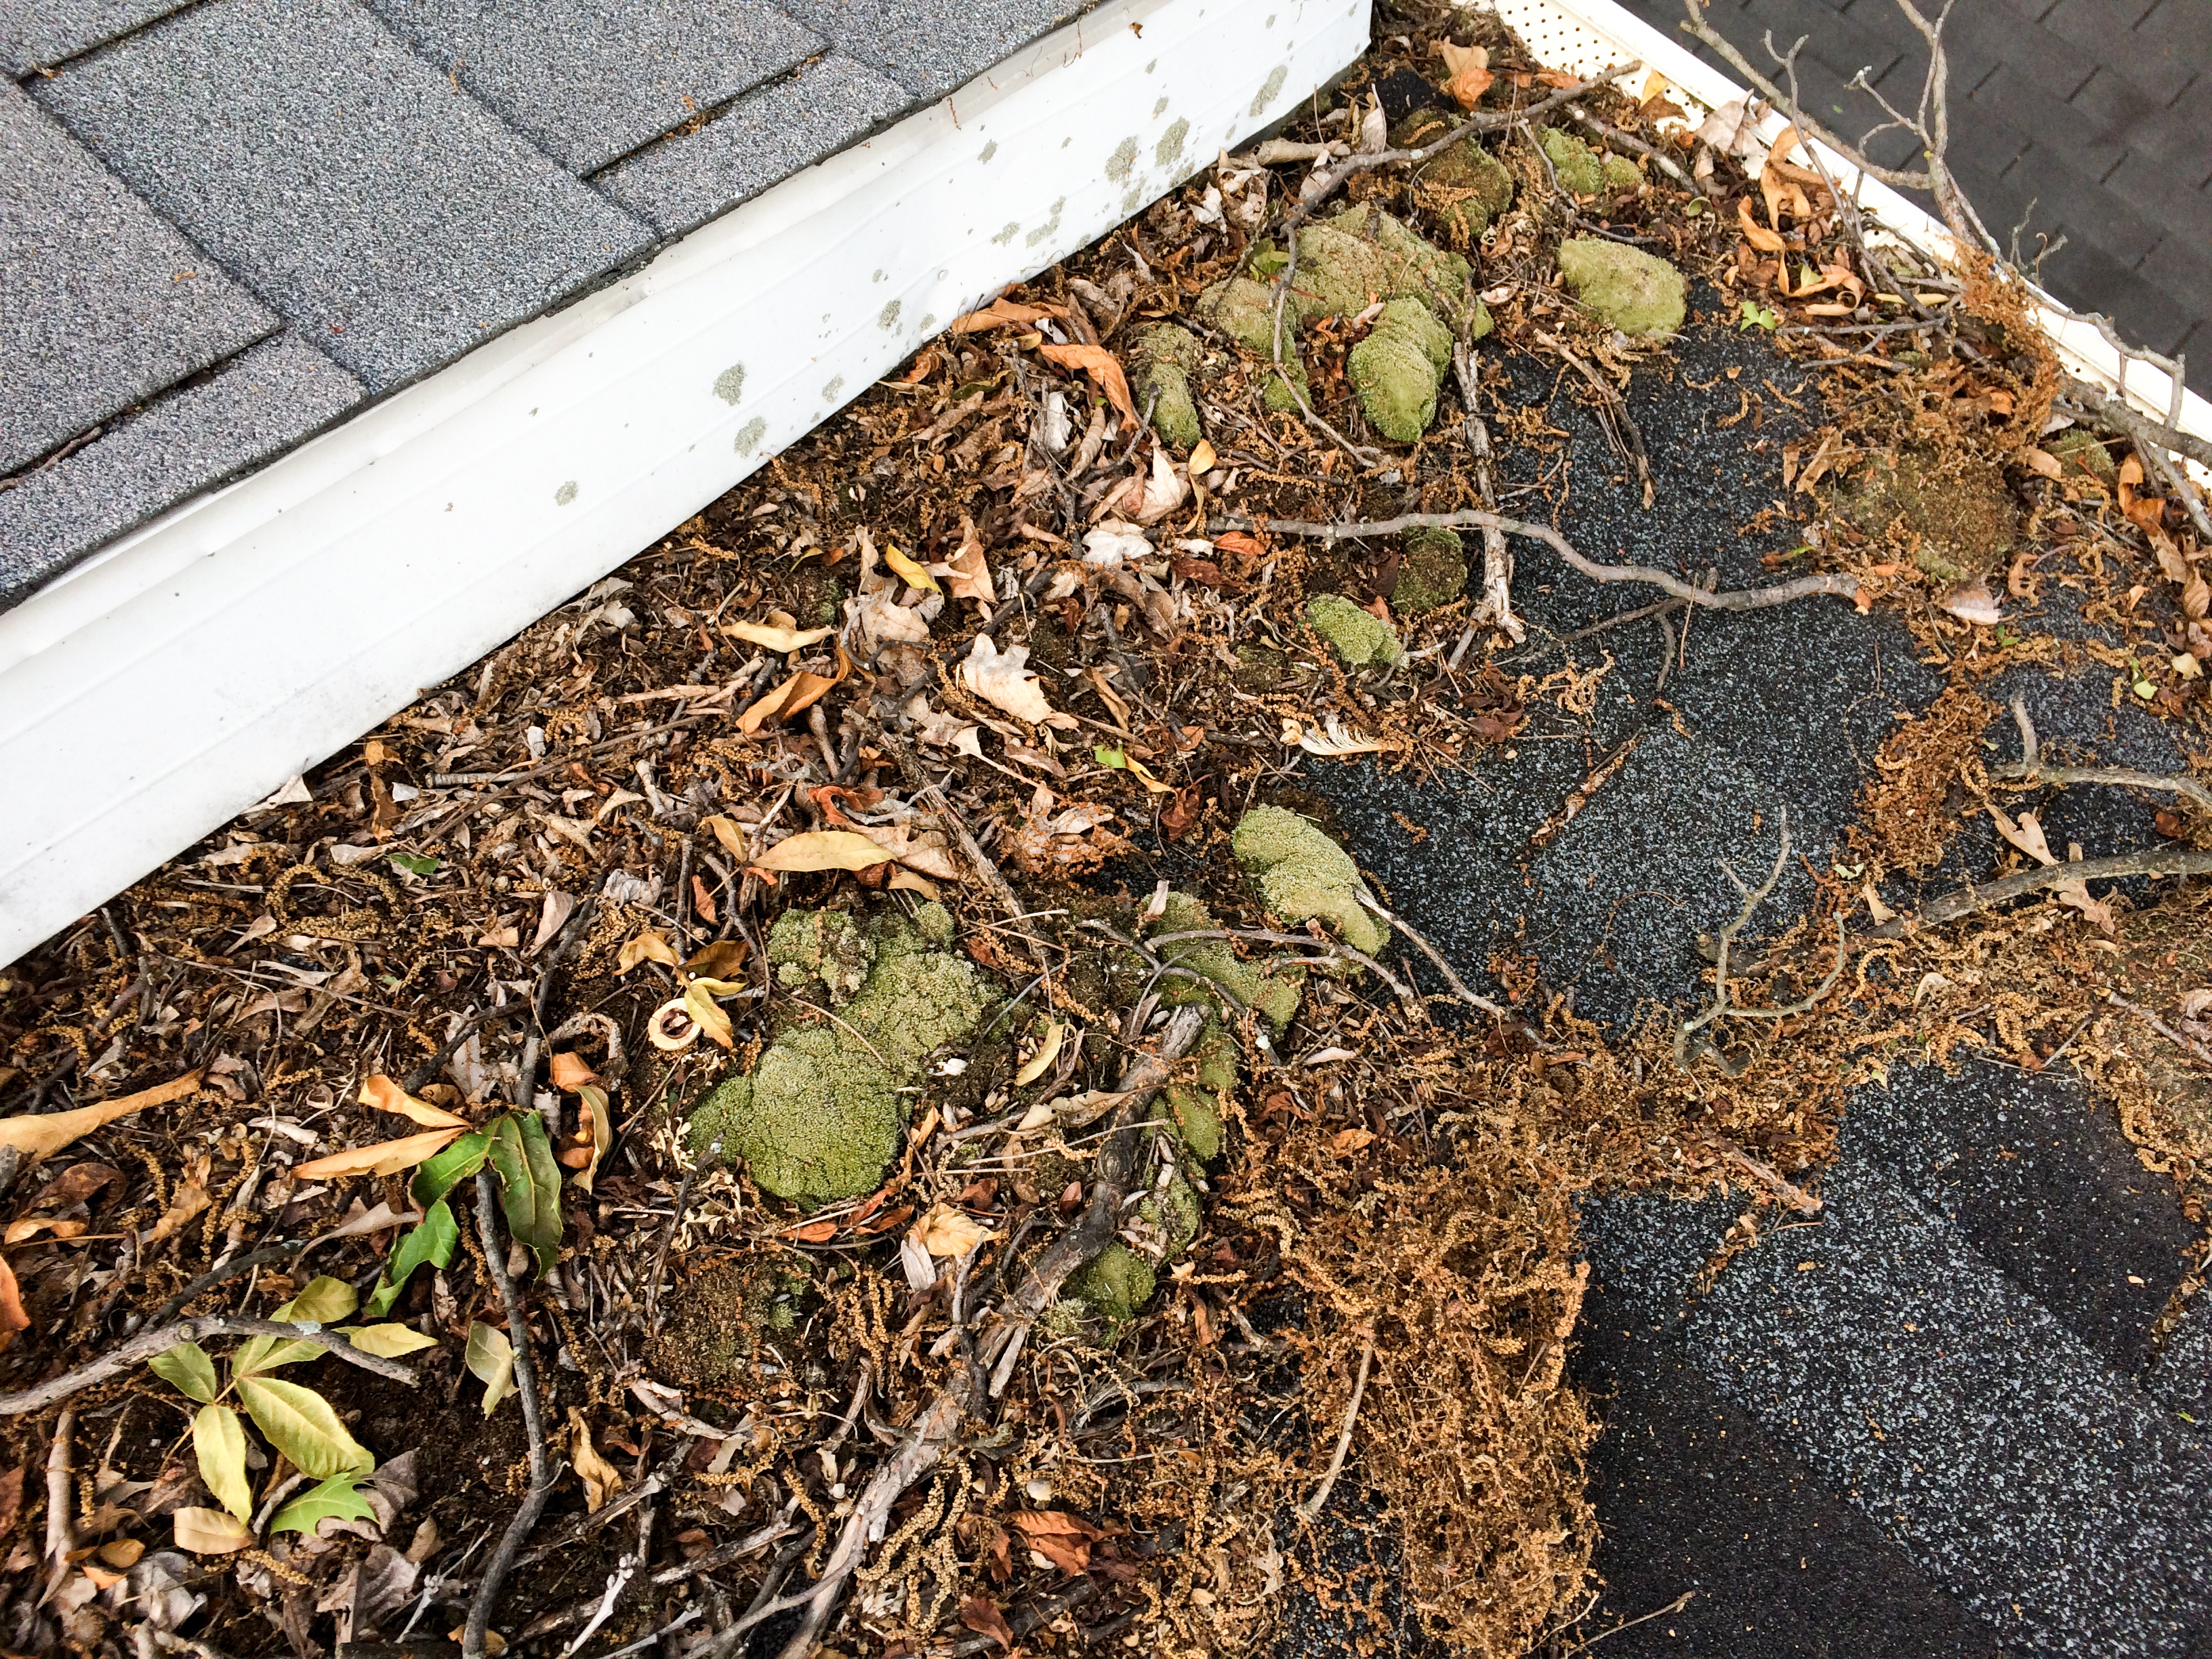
[
  {"x": 2085, "y": 453},
  {"x": 1196, "y": 1110},
  {"x": 1272, "y": 992},
  {"x": 1587, "y": 172},
  {"x": 1463, "y": 189},
  {"x": 1359, "y": 637},
  {"x": 1245, "y": 310},
  {"x": 717, "y": 1318},
  {"x": 819, "y": 1118},
  {"x": 1301, "y": 873},
  {"x": 1431, "y": 571},
  {"x": 1397, "y": 368},
  {"x": 1348, "y": 263},
  {"x": 1166, "y": 357},
  {"x": 806, "y": 946},
  {"x": 1953, "y": 516},
  {"x": 1634, "y": 291},
  {"x": 1116, "y": 1282}
]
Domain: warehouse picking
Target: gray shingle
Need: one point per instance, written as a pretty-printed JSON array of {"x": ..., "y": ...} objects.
[
  {"x": 593, "y": 80},
  {"x": 764, "y": 137},
  {"x": 247, "y": 412},
  {"x": 37, "y": 33},
  {"x": 931, "y": 46},
  {"x": 97, "y": 311},
  {"x": 385, "y": 212}
]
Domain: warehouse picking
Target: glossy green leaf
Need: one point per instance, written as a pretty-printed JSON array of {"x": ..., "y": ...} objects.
[
  {"x": 219, "y": 1441},
  {"x": 490, "y": 1360},
  {"x": 391, "y": 1341},
  {"x": 530, "y": 1184},
  {"x": 440, "y": 1174},
  {"x": 337, "y": 1498},
  {"x": 188, "y": 1368},
  {"x": 433, "y": 1239},
  {"x": 300, "y": 1424}
]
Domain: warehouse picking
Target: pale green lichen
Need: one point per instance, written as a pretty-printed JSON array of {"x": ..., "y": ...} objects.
[
  {"x": 1431, "y": 571},
  {"x": 1359, "y": 637},
  {"x": 1397, "y": 368},
  {"x": 1364, "y": 254},
  {"x": 1463, "y": 189},
  {"x": 1635, "y": 292},
  {"x": 1196, "y": 1110},
  {"x": 1115, "y": 1283},
  {"x": 1586, "y": 171},
  {"x": 1245, "y": 310},
  {"x": 1166, "y": 357},
  {"x": 804, "y": 946},
  {"x": 1302, "y": 873},
  {"x": 1271, "y": 992},
  {"x": 819, "y": 1118}
]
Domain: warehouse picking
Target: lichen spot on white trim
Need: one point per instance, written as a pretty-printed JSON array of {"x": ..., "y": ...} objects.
[
  {"x": 565, "y": 493},
  {"x": 750, "y": 434},
  {"x": 829, "y": 392},
  {"x": 729, "y": 384},
  {"x": 1270, "y": 86},
  {"x": 1169, "y": 149},
  {"x": 888, "y": 316},
  {"x": 988, "y": 151},
  {"x": 1124, "y": 158}
]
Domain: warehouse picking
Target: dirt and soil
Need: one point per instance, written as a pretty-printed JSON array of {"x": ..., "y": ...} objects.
[{"x": 559, "y": 881}]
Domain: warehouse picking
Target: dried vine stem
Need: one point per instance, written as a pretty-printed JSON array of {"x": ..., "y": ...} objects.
[
  {"x": 2029, "y": 769},
  {"x": 147, "y": 1344},
  {"x": 924, "y": 1445},
  {"x": 1497, "y": 606},
  {"x": 2181, "y": 1040},
  {"x": 1310, "y": 1510},
  {"x": 2155, "y": 862},
  {"x": 1745, "y": 598}
]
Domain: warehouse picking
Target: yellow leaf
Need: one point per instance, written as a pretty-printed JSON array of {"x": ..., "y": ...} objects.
[
  {"x": 774, "y": 638},
  {"x": 947, "y": 1232},
  {"x": 210, "y": 1532},
  {"x": 823, "y": 849},
  {"x": 705, "y": 1013},
  {"x": 1039, "y": 1063},
  {"x": 300, "y": 1424},
  {"x": 219, "y": 1443},
  {"x": 602, "y": 1480},
  {"x": 390, "y": 1342},
  {"x": 1202, "y": 459},
  {"x": 647, "y": 946},
  {"x": 914, "y": 574},
  {"x": 385, "y": 1158},
  {"x": 490, "y": 1360},
  {"x": 387, "y": 1095},
  {"x": 903, "y": 880},
  {"x": 40, "y": 1134}
]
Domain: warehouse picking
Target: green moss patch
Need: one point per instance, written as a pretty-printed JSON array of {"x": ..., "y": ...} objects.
[
  {"x": 1431, "y": 571},
  {"x": 1360, "y": 637},
  {"x": 1464, "y": 189},
  {"x": 1952, "y": 515},
  {"x": 1397, "y": 368},
  {"x": 1635, "y": 292},
  {"x": 1166, "y": 358},
  {"x": 1302, "y": 873},
  {"x": 1587, "y": 172}
]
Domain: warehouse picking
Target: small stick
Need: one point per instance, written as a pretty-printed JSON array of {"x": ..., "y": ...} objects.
[
  {"x": 486, "y": 1600},
  {"x": 1459, "y": 986},
  {"x": 1309, "y": 1511},
  {"x": 2154, "y": 862},
  {"x": 147, "y": 1344},
  {"x": 61, "y": 1502},
  {"x": 2179, "y": 1039},
  {"x": 1748, "y": 598},
  {"x": 1496, "y": 606},
  {"x": 2030, "y": 769}
]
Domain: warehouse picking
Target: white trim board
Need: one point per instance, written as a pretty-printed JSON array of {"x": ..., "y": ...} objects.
[
  {"x": 190, "y": 669},
  {"x": 1588, "y": 36}
]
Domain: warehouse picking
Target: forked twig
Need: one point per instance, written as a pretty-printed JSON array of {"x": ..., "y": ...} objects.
[{"x": 2029, "y": 769}]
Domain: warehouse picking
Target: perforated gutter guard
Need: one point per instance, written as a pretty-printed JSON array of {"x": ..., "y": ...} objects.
[{"x": 189, "y": 670}]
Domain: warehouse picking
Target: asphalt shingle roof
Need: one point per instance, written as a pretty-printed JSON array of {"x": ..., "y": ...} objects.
[
  {"x": 365, "y": 190},
  {"x": 105, "y": 287},
  {"x": 592, "y": 80}
]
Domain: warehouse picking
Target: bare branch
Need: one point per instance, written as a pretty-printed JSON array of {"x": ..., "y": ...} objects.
[
  {"x": 147, "y": 1344},
  {"x": 2152, "y": 861}
]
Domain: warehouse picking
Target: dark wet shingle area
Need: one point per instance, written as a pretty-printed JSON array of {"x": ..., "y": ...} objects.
[
  {"x": 102, "y": 284},
  {"x": 593, "y": 80}
]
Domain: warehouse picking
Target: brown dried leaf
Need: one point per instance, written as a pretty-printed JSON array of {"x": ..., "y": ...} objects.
[
  {"x": 971, "y": 576},
  {"x": 571, "y": 1071},
  {"x": 1101, "y": 366},
  {"x": 774, "y": 638},
  {"x": 980, "y": 1614},
  {"x": 823, "y": 849},
  {"x": 601, "y": 1479},
  {"x": 385, "y": 1158},
  {"x": 44, "y": 1133},
  {"x": 648, "y": 947},
  {"x": 1765, "y": 240},
  {"x": 387, "y": 1095}
]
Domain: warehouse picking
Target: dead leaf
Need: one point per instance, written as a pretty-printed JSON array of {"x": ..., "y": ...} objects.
[
  {"x": 947, "y": 1231},
  {"x": 2043, "y": 461},
  {"x": 601, "y": 1479},
  {"x": 1876, "y": 909},
  {"x": 12, "y": 1317},
  {"x": 698, "y": 1001},
  {"x": 647, "y": 946},
  {"x": 823, "y": 849},
  {"x": 1063, "y": 1540},
  {"x": 775, "y": 638},
  {"x": 2026, "y": 834},
  {"x": 980, "y": 1614},
  {"x": 1350, "y": 1141},
  {"x": 1041, "y": 1062},
  {"x": 1165, "y": 489},
  {"x": 42, "y": 1134},
  {"x": 385, "y": 1158},
  {"x": 192, "y": 1197},
  {"x": 210, "y": 1532},
  {"x": 572, "y": 1072},
  {"x": 1765, "y": 240},
  {"x": 999, "y": 678},
  {"x": 912, "y": 573},
  {"x": 1002, "y": 313},
  {"x": 970, "y": 577},
  {"x": 1101, "y": 366},
  {"x": 931, "y": 858},
  {"x": 387, "y": 1095},
  {"x": 1467, "y": 70},
  {"x": 800, "y": 693},
  {"x": 1972, "y": 602}
]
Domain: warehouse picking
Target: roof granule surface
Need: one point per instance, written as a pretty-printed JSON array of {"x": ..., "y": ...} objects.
[
  {"x": 767, "y": 136},
  {"x": 385, "y": 213},
  {"x": 36, "y": 34},
  {"x": 101, "y": 304},
  {"x": 933, "y": 48},
  {"x": 593, "y": 80}
]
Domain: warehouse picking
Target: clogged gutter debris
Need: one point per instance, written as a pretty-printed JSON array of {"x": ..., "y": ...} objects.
[{"x": 906, "y": 1083}]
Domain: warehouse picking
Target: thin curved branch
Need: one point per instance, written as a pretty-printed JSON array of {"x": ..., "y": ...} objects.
[
  {"x": 2156, "y": 861},
  {"x": 147, "y": 1344}
]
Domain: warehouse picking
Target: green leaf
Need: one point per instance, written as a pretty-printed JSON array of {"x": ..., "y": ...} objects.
[
  {"x": 219, "y": 1441},
  {"x": 448, "y": 1169},
  {"x": 530, "y": 1183},
  {"x": 187, "y": 1367},
  {"x": 390, "y": 1342},
  {"x": 1107, "y": 756},
  {"x": 337, "y": 1498},
  {"x": 433, "y": 1239},
  {"x": 325, "y": 1301},
  {"x": 300, "y": 1424},
  {"x": 415, "y": 864},
  {"x": 490, "y": 1360}
]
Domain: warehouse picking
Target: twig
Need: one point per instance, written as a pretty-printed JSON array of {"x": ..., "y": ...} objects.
[
  {"x": 2151, "y": 437},
  {"x": 1612, "y": 135},
  {"x": 706, "y": 1160},
  {"x": 1617, "y": 405},
  {"x": 2179, "y": 1039},
  {"x": 2153, "y": 861},
  {"x": 1746, "y": 598},
  {"x": 148, "y": 1343},
  {"x": 1459, "y": 986},
  {"x": 1797, "y": 1198},
  {"x": 472, "y": 780},
  {"x": 61, "y": 1502},
  {"x": 224, "y": 1272},
  {"x": 486, "y": 1600},
  {"x": 1312, "y": 1507},
  {"x": 1312, "y": 941},
  {"x": 1675, "y": 1606},
  {"x": 1497, "y": 605}
]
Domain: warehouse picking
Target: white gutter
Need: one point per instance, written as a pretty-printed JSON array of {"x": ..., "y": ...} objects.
[
  {"x": 1587, "y": 36},
  {"x": 194, "y": 666}
]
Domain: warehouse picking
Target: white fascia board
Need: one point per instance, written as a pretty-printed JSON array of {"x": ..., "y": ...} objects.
[
  {"x": 192, "y": 667},
  {"x": 1588, "y": 36}
]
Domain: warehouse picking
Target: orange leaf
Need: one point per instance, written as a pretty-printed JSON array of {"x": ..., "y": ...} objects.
[
  {"x": 795, "y": 697},
  {"x": 1003, "y": 314},
  {"x": 1350, "y": 1141},
  {"x": 2043, "y": 461},
  {"x": 1100, "y": 365},
  {"x": 572, "y": 1072},
  {"x": 385, "y": 1158},
  {"x": 42, "y": 1134},
  {"x": 12, "y": 1317},
  {"x": 814, "y": 1232},
  {"x": 971, "y": 576},
  {"x": 1757, "y": 235},
  {"x": 1468, "y": 86},
  {"x": 387, "y": 1095}
]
